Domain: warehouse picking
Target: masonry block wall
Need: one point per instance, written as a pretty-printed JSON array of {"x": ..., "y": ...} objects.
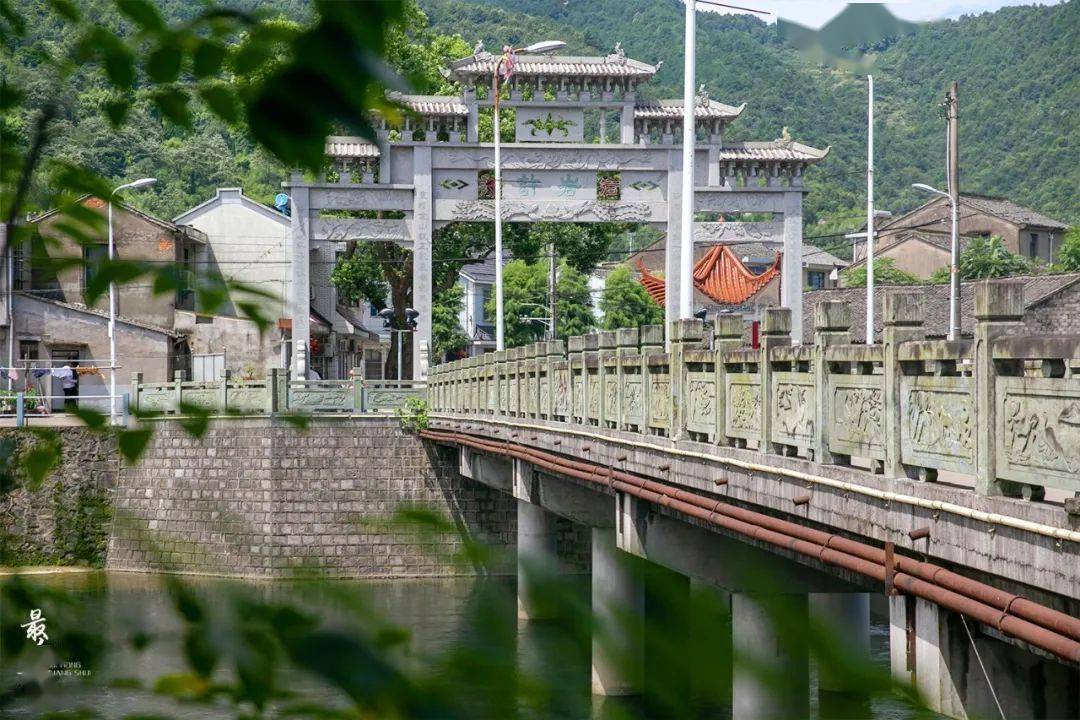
[
  {"x": 261, "y": 497},
  {"x": 65, "y": 520}
]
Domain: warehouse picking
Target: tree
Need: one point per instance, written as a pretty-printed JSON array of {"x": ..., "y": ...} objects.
[
  {"x": 525, "y": 296},
  {"x": 626, "y": 303},
  {"x": 985, "y": 258},
  {"x": 446, "y": 335},
  {"x": 885, "y": 273},
  {"x": 1069, "y": 253}
]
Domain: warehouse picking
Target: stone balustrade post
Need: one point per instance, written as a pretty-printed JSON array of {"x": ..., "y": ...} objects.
[
  {"x": 136, "y": 389},
  {"x": 178, "y": 390},
  {"x": 356, "y": 375},
  {"x": 513, "y": 394},
  {"x": 685, "y": 335},
  {"x": 727, "y": 335},
  {"x": 273, "y": 390},
  {"x": 594, "y": 392},
  {"x": 575, "y": 348},
  {"x": 499, "y": 359},
  {"x": 999, "y": 308},
  {"x": 556, "y": 351},
  {"x": 606, "y": 340},
  {"x": 626, "y": 342},
  {"x": 652, "y": 343},
  {"x": 223, "y": 390},
  {"x": 775, "y": 332},
  {"x": 832, "y": 326},
  {"x": 903, "y": 313}
]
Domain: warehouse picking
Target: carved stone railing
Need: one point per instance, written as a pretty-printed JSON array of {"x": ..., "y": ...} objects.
[
  {"x": 276, "y": 394},
  {"x": 1002, "y": 408}
]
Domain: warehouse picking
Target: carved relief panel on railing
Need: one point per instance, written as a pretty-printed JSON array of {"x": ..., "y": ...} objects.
[
  {"x": 633, "y": 391},
  {"x": 743, "y": 412},
  {"x": 561, "y": 379},
  {"x": 857, "y": 416},
  {"x": 794, "y": 405},
  {"x": 937, "y": 422},
  {"x": 659, "y": 393},
  {"x": 1038, "y": 431},
  {"x": 701, "y": 402}
]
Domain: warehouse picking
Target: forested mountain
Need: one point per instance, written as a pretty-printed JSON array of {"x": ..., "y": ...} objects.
[{"x": 1018, "y": 69}]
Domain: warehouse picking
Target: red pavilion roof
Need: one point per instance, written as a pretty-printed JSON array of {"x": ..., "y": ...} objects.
[{"x": 719, "y": 275}]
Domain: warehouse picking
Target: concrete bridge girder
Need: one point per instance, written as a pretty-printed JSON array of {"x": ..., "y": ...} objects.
[{"x": 706, "y": 555}]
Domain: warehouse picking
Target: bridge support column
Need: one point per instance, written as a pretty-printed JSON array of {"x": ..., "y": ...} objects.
[
  {"x": 618, "y": 603},
  {"x": 771, "y": 676},
  {"x": 537, "y": 560},
  {"x": 846, "y": 616}
]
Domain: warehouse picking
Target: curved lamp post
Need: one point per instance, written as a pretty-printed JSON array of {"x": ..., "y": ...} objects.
[
  {"x": 135, "y": 185},
  {"x": 546, "y": 46}
]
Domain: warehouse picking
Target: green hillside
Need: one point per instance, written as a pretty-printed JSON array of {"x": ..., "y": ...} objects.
[{"x": 1018, "y": 70}]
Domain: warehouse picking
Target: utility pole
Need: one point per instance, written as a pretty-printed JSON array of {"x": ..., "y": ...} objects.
[
  {"x": 552, "y": 334},
  {"x": 870, "y": 211},
  {"x": 954, "y": 195}
]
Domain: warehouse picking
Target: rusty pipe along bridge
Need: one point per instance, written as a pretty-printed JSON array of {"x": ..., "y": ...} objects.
[{"x": 941, "y": 474}]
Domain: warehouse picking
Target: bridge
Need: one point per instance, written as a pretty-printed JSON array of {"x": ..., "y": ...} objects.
[{"x": 941, "y": 474}]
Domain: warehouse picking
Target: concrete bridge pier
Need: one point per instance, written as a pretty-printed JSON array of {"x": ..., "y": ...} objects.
[
  {"x": 537, "y": 560},
  {"x": 960, "y": 669},
  {"x": 846, "y": 617},
  {"x": 618, "y": 602},
  {"x": 771, "y": 677}
]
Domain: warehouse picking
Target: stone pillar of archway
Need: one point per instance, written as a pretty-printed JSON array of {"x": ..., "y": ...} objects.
[
  {"x": 791, "y": 276},
  {"x": 672, "y": 253},
  {"x": 422, "y": 266},
  {"x": 301, "y": 279}
]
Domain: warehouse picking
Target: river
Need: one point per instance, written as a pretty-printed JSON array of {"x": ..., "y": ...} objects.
[{"x": 446, "y": 623}]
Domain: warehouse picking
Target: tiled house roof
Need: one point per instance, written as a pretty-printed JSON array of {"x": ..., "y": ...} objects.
[
  {"x": 1037, "y": 288},
  {"x": 1008, "y": 210},
  {"x": 349, "y": 146}
]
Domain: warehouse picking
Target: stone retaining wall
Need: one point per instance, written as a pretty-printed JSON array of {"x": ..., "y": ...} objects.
[
  {"x": 260, "y": 497},
  {"x": 65, "y": 520}
]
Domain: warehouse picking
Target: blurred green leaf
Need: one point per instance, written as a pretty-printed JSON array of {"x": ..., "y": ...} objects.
[
  {"x": 173, "y": 103},
  {"x": 112, "y": 271},
  {"x": 221, "y": 99},
  {"x": 93, "y": 419},
  {"x": 117, "y": 110},
  {"x": 199, "y": 650},
  {"x": 163, "y": 63},
  {"x": 41, "y": 457},
  {"x": 207, "y": 58},
  {"x": 142, "y": 13},
  {"x": 65, "y": 9},
  {"x": 133, "y": 443}
]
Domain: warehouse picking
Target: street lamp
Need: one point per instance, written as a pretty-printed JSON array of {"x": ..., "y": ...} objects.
[
  {"x": 135, "y": 185},
  {"x": 545, "y": 46},
  {"x": 954, "y": 262},
  {"x": 387, "y": 314}
]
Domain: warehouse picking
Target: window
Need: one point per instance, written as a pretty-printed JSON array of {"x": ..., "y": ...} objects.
[
  {"x": 482, "y": 300},
  {"x": 1033, "y": 245},
  {"x": 815, "y": 279},
  {"x": 93, "y": 256}
]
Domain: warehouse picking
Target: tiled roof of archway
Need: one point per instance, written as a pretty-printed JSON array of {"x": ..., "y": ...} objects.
[
  {"x": 672, "y": 109},
  {"x": 610, "y": 66}
]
